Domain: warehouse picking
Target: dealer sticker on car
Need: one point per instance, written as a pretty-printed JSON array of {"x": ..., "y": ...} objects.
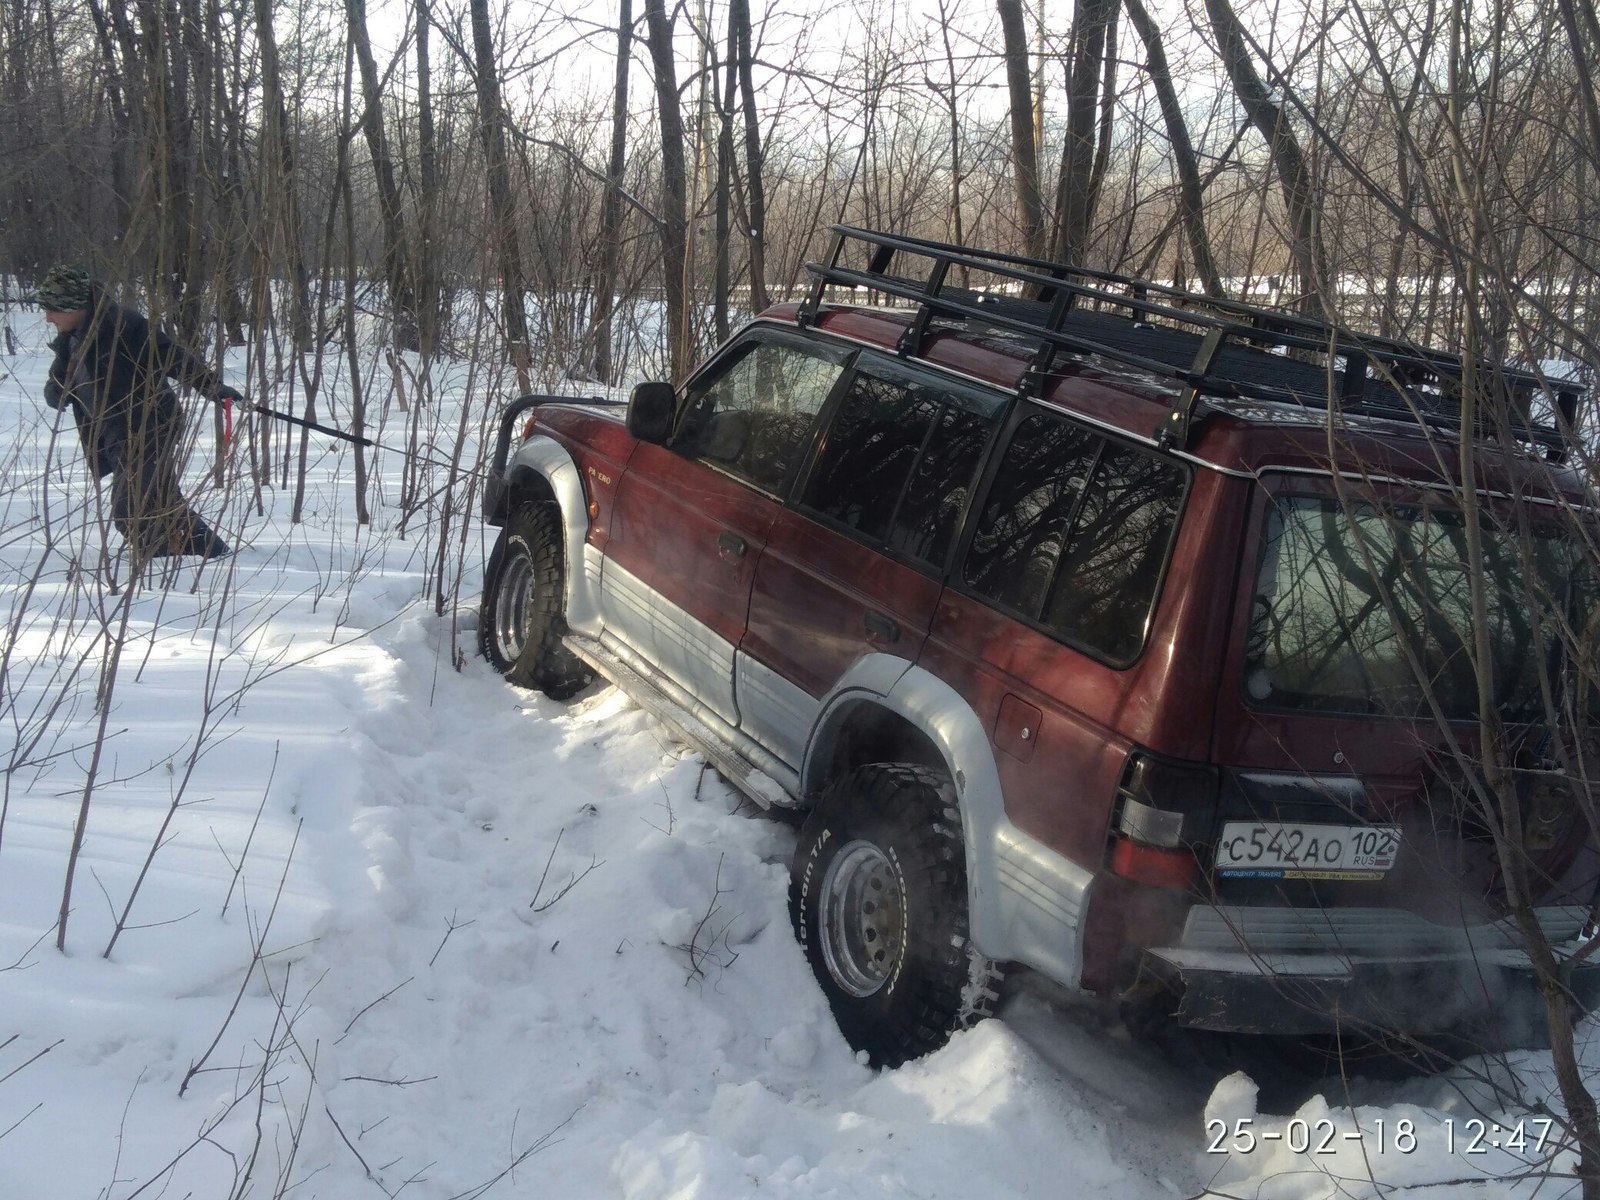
[{"x": 1281, "y": 850}]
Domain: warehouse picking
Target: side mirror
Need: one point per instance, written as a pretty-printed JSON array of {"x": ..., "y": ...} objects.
[{"x": 650, "y": 412}]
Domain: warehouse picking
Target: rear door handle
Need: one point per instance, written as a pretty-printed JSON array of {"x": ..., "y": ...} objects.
[
  {"x": 881, "y": 627},
  {"x": 731, "y": 545}
]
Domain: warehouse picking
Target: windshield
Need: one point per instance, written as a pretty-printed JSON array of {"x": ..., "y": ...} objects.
[{"x": 1343, "y": 593}]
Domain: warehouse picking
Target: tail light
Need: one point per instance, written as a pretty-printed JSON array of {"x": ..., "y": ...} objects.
[{"x": 1163, "y": 809}]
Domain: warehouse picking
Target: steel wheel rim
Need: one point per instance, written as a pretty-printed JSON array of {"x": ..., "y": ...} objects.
[
  {"x": 862, "y": 919},
  {"x": 511, "y": 607}
]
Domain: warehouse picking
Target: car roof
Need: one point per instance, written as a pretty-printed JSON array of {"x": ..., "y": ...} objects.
[
  {"x": 1220, "y": 379},
  {"x": 1237, "y": 436}
]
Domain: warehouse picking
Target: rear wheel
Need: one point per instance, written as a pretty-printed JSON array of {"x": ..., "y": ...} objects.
[
  {"x": 878, "y": 897},
  {"x": 522, "y": 619}
]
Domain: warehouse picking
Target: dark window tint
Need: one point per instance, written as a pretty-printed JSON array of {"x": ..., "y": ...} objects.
[
  {"x": 899, "y": 459},
  {"x": 869, "y": 453},
  {"x": 1018, "y": 540},
  {"x": 754, "y": 418},
  {"x": 1113, "y": 557},
  {"x": 1075, "y": 534},
  {"x": 931, "y": 509}
]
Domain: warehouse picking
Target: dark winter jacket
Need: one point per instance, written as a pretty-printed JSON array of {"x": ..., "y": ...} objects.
[{"x": 113, "y": 371}]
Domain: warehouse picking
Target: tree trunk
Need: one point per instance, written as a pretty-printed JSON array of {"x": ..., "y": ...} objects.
[
  {"x": 166, "y": 181},
  {"x": 279, "y": 179},
  {"x": 1024, "y": 149},
  {"x": 755, "y": 187},
  {"x": 958, "y": 231},
  {"x": 429, "y": 308},
  {"x": 229, "y": 276},
  {"x": 611, "y": 206},
  {"x": 1288, "y": 160},
  {"x": 674, "y": 192},
  {"x": 352, "y": 349},
  {"x": 1191, "y": 203},
  {"x": 396, "y": 262},
  {"x": 1075, "y": 194},
  {"x": 491, "y": 127},
  {"x": 724, "y": 188}
]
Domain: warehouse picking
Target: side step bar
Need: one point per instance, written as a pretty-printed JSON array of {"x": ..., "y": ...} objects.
[{"x": 751, "y": 781}]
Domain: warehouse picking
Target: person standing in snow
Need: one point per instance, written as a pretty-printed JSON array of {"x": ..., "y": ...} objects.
[{"x": 112, "y": 368}]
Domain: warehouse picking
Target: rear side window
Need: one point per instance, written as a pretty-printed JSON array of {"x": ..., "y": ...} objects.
[
  {"x": 1075, "y": 533},
  {"x": 899, "y": 460}
]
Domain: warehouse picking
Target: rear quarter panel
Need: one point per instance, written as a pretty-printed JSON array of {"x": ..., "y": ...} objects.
[{"x": 1059, "y": 781}]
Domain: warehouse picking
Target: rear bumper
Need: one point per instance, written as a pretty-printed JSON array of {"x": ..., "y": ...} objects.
[{"x": 1365, "y": 972}]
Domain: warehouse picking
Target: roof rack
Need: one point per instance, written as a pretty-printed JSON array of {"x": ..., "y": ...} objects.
[{"x": 1212, "y": 346}]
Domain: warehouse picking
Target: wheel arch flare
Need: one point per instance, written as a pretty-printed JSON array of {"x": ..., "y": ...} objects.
[
  {"x": 1026, "y": 902},
  {"x": 544, "y": 464}
]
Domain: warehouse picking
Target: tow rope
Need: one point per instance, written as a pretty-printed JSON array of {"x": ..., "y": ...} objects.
[{"x": 328, "y": 430}]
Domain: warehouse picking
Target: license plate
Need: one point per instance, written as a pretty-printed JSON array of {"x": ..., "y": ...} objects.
[{"x": 1280, "y": 850}]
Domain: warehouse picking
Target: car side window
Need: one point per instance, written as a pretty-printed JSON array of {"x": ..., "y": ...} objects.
[
  {"x": 898, "y": 461},
  {"x": 1075, "y": 534},
  {"x": 754, "y": 418},
  {"x": 1111, "y": 562},
  {"x": 1017, "y": 544}
]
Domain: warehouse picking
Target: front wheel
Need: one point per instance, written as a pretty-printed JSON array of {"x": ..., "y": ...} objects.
[
  {"x": 522, "y": 619},
  {"x": 878, "y": 897}
]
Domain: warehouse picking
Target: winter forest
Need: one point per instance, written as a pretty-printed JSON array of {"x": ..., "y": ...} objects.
[
  {"x": 523, "y": 176},
  {"x": 299, "y": 898}
]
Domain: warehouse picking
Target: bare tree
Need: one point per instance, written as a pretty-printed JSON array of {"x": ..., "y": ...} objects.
[
  {"x": 279, "y": 177},
  {"x": 611, "y": 210},
  {"x": 742, "y": 60},
  {"x": 950, "y": 90},
  {"x": 1081, "y": 151},
  {"x": 1191, "y": 199},
  {"x": 1288, "y": 158},
  {"x": 1024, "y": 148},
  {"x": 674, "y": 190},
  {"x": 397, "y": 270},
  {"x": 491, "y": 129},
  {"x": 429, "y": 292}
]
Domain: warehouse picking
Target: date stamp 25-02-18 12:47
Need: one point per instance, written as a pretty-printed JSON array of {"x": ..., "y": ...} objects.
[{"x": 1475, "y": 1135}]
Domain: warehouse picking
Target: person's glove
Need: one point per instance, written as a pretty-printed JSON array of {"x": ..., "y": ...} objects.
[{"x": 228, "y": 397}]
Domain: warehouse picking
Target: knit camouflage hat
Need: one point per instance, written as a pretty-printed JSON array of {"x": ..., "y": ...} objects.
[{"x": 63, "y": 289}]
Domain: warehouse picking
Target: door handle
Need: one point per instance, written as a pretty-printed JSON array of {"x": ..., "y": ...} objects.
[
  {"x": 881, "y": 627},
  {"x": 731, "y": 545}
]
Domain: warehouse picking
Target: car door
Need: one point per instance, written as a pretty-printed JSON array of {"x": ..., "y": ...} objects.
[
  {"x": 692, "y": 516},
  {"x": 856, "y": 566}
]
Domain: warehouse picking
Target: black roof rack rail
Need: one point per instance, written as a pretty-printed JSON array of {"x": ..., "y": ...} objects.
[{"x": 1212, "y": 346}]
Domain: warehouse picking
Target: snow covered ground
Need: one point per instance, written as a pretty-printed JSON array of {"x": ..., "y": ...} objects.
[{"x": 408, "y": 930}]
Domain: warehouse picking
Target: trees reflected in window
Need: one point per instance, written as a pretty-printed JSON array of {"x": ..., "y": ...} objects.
[
  {"x": 1370, "y": 610},
  {"x": 898, "y": 462},
  {"x": 1075, "y": 534}
]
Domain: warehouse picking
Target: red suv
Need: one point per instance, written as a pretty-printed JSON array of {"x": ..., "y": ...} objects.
[{"x": 1086, "y": 631}]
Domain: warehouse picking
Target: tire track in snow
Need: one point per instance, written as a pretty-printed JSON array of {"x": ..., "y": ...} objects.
[{"x": 659, "y": 1015}]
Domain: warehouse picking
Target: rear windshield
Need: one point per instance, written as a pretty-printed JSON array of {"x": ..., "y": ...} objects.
[{"x": 1363, "y": 609}]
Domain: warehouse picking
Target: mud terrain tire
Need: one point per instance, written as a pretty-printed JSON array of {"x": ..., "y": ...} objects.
[
  {"x": 878, "y": 898},
  {"x": 522, "y": 619}
]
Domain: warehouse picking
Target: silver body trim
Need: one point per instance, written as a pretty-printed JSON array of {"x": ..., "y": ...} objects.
[
  {"x": 772, "y": 711},
  {"x": 718, "y": 742},
  {"x": 549, "y": 459},
  {"x": 674, "y": 643}
]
